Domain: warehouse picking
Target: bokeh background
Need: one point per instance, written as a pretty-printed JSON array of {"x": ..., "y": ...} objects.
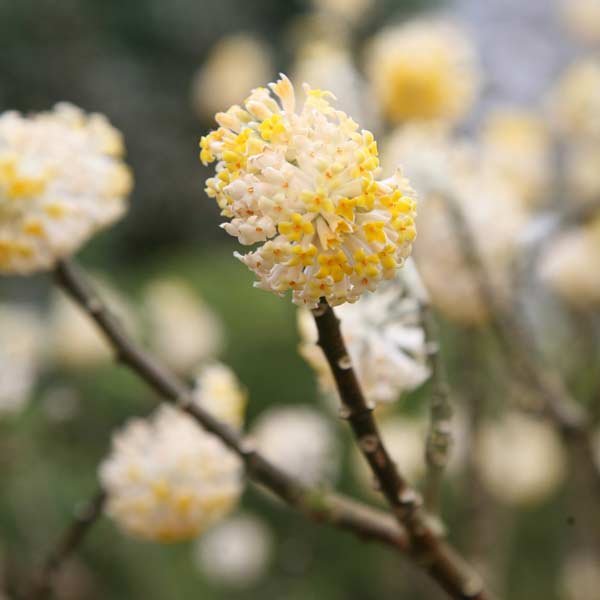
[{"x": 137, "y": 62}]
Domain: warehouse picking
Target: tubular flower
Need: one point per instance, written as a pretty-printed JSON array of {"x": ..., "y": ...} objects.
[
  {"x": 302, "y": 184},
  {"x": 423, "y": 71},
  {"x": 61, "y": 180},
  {"x": 167, "y": 479}
]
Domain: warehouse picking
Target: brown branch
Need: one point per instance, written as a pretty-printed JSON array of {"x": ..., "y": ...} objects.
[
  {"x": 427, "y": 547},
  {"x": 83, "y": 521},
  {"x": 521, "y": 349},
  {"x": 319, "y": 506}
]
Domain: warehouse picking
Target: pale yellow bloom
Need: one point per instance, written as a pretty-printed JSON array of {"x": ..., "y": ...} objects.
[
  {"x": 61, "y": 180},
  {"x": 302, "y": 184},
  {"x": 167, "y": 479},
  {"x": 520, "y": 459},
  {"x": 569, "y": 266},
  {"x": 423, "y": 70},
  {"x": 582, "y": 17},
  {"x": 236, "y": 64}
]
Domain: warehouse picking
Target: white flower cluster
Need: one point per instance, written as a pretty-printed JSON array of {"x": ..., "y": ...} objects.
[
  {"x": 236, "y": 552},
  {"x": 384, "y": 338},
  {"x": 183, "y": 330},
  {"x": 61, "y": 179},
  {"x": 299, "y": 440},
  {"x": 21, "y": 345},
  {"x": 423, "y": 70},
  {"x": 166, "y": 478},
  {"x": 302, "y": 184},
  {"x": 520, "y": 459}
]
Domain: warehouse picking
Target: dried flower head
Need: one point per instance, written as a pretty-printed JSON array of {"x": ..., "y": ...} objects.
[
  {"x": 61, "y": 180},
  {"x": 167, "y": 479},
  {"x": 385, "y": 341},
  {"x": 423, "y": 71},
  {"x": 299, "y": 440},
  {"x": 302, "y": 185}
]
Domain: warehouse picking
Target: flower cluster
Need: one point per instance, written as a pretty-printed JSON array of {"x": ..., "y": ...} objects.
[
  {"x": 423, "y": 71},
  {"x": 167, "y": 479},
  {"x": 520, "y": 459},
  {"x": 299, "y": 440},
  {"x": 385, "y": 341},
  {"x": 61, "y": 179},
  {"x": 303, "y": 185}
]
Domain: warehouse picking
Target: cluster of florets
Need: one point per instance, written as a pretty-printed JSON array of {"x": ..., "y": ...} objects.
[{"x": 303, "y": 186}]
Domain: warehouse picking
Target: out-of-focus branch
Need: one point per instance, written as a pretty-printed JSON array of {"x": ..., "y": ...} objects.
[
  {"x": 319, "y": 506},
  {"x": 521, "y": 350},
  {"x": 427, "y": 547},
  {"x": 83, "y": 521},
  {"x": 439, "y": 435}
]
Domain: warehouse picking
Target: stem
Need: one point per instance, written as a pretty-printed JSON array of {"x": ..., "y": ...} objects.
[
  {"x": 427, "y": 548},
  {"x": 439, "y": 436},
  {"x": 319, "y": 506}
]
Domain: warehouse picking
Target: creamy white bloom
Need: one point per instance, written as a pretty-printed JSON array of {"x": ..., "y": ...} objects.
[
  {"x": 515, "y": 146},
  {"x": 299, "y": 440},
  {"x": 22, "y": 340},
  {"x": 302, "y": 185},
  {"x": 569, "y": 266},
  {"x": 61, "y": 180},
  {"x": 75, "y": 340},
  {"x": 167, "y": 479},
  {"x": 235, "y": 552},
  {"x": 423, "y": 70},
  {"x": 520, "y": 459},
  {"x": 582, "y": 17},
  {"x": 182, "y": 328},
  {"x": 582, "y": 172},
  {"x": 384, "y": 338},
  {"x": 576, "y": 101},
  {"x": 218, "y": 390},
  {"x": 580, "y": 577},
  {"x": 237, "y": 63}
]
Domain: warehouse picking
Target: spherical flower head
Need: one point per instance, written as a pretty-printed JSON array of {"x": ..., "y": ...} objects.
[
  {"x": 576, "y": 101},
  {"x": 303, "y": 186},
  {"x": 568, "y": 267},
  {"x": 423, "y": 71},
  {"x": 183, "y": 330},
  {"x": 236, "y": 552},
  {"x": 299, "y": 440},
  {"x": 167, "y": 479},
  {"x": 21, "y": 348},
  {"x": 515, "y": 145},
  {"x": 520, "y": 459},
  {"x": 61, "y": 180},
  {"x": 384, "y": 338},
  {"x": 582, "y": 18}
]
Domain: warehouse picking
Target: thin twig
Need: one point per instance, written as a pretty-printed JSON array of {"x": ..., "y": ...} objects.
[
  {"x": 439, "y": 435},
  {"x": 83, "y": 521},
  {"x": 521, "y": 350},
  {"x": 427, "y": 546},
  {"x": 336, "y": 510}
]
